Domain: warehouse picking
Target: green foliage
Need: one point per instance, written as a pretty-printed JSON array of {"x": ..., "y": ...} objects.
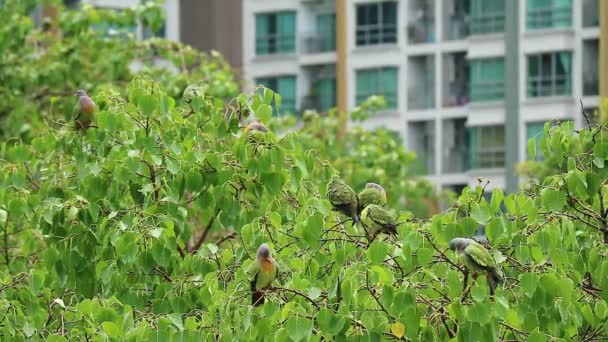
[{"x": 145, "y": 227}]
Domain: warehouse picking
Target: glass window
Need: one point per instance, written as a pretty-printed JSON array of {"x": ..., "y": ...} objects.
[
  {"x": 549, "y": 74},
  {"x": 327, "y": 93},
  {"x": 487, "y": 79},
  {"x": 549, "y": 13},
  {"x": 275, "y": 33},
  {"x": 487, "y": 16},
  {"x": 286, "y": 87},
  {"x": 487, "y": 147},
  {"x": 376, "y": 23},
  {"x": 326, "y": 30},
  {"x": 378, "y": 81}
]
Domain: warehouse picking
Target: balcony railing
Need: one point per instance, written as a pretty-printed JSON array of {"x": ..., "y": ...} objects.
[
  {"x": 591, "y": 84},
  {"x": 421, "y": 98},
  {"x": 549, "y": 86},
  {"x": 458, "y": 27},
  {"x": 275, "y": 44},
  {"x": 488, "y": 23},
  {"x": 551, "y": 16},
  {"x": 489, "y": 158},
  {"x": 421, "y": 32},
  {"x": 317, "y": 43},
  {"x": 487, "y": 91}
]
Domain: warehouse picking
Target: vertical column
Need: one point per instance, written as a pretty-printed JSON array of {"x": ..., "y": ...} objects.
[
  {"x": 341, "y": 64},
  {"x": 511, "y": 93},
  {"x": 603, "y": 60}
]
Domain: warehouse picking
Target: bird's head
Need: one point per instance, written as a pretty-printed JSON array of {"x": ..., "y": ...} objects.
[
  {"x": 378, "y": 187},
  {"x": 256, "y": 126},
  {"x": 458, "y": 244},
  {"x": 80, "y": 93},
  {"x": 263, "y": 252}
]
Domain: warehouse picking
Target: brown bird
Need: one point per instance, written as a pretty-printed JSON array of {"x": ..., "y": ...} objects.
[{"x": 84, "y": 111}]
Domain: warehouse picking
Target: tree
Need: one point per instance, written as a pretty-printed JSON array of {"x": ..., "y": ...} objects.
[{"x": 144, "y": 228}]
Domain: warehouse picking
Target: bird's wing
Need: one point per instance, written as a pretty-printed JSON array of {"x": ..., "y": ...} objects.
[
  {"x": 381, "y": 216},
  {"x": 480, "y": 255},
  {"x": 76, "y": 112},
  {"x": 341, "y": 194},
  {"x": 366, "y": 197}
]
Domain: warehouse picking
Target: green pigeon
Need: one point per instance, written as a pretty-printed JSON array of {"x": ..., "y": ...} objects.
[
  {"x": 477, "y": 259},
  {"x": 84, "y": 111},
  {"x": 372, "y": 194},
  {"x": 379, "y": 219},
  {"x": 256, "y": 127},
  {"x": 266, "y": 271},
  {"x": 191, "y": 92},
  {"x": 343, "y": 198}
]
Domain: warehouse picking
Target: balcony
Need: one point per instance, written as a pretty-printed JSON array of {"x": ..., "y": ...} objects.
[
  {"x": 421, "y": 25},
  {"x": 456, "y": 83},
  {"x": 590, "y": 67},
  {"x": 421, "y": 82},
  {"x": 422, "y": 142},
  {"x": 455, "y": 19},
  {"x": 487, "y": 16},
  {"x": 591, "y": 13},
  {"x": 315, "y": 43},
  {"x": 455, "y": 146}
]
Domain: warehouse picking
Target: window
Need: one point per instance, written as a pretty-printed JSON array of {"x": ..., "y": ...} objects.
[
  {"x": 327, "y": 93},
  {"x": 376, "y": 23},
  {"x": 421, "y": 139},
  {"x": 275, "y": 33},
  {"x": 591, "y": 13},
  {"x": 549, "y": 74},
  {"x": 378, "y": 81},
  {"x": 534, "y": 130},
  {"x": 326, "y": 29},
  {"x": 590, "y": 67},
  {"x": 487, "y": 79},
  {"x": 286, "y": 87},
  {"x": 549, "y": 13},
  {"x": 487, "y": 147},
  {"x": 487, "y": 16}
]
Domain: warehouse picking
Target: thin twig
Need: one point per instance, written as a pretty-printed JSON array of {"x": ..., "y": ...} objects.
[{"x": 203, "y": 236}]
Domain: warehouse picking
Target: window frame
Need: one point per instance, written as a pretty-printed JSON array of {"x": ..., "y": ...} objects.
[
  {"x": 485, "y": 90},
  {"x": 377, "y": 74},
  {"x": 543, "y": 85},
  {"x": 274, "y": 43},
  {"x": 380, "y": 32}
]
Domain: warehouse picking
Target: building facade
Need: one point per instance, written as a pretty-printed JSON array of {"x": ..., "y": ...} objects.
[{"x": 454, "y": 73}]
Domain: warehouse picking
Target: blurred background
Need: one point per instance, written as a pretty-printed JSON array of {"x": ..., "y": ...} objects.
[{"x": 466, "y": 82}]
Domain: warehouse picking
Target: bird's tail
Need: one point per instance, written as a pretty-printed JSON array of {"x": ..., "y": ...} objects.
[
  {"x": 257, "y": 298},
  {"x": 391, "y": 230},
  {"x": 494, "y": 278}
]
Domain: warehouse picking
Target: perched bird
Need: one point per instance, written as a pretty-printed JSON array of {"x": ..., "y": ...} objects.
[
  {"x": 256, "y": 127},
  {"x": 372, "y": 194},
  {"x": 190, "y": 93},
  {"x": 84, "y": 111},
  {"x": 266, "y": 271},
  {"x": 379, "y": 219},
  {"x": 480, "y": 236},
  {"x": 477, "y": 259},
  {"x": 343, "y": 198}
]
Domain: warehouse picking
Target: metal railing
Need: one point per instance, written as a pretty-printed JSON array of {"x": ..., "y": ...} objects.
[
  {"x": 489, "y": 157},
  {"x": 421, "y": 32},
  {"x": 591, "y": 84},
  {"x": 550, "y": 85},
  {"x": 550, "y": 16},
  {"x": 275, "y": 44},
  {"x": 487, "y": 91},
  {"x": 316, "y": 43},
  {"x": 376, "y": 34},
  {"x": 421, "y": 98},
  {"x": 457, "y": 28},
  {"x": 488, "y": 23}
]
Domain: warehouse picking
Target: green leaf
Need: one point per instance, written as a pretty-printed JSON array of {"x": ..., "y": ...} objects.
[
  {"x": 376, "y": 253},
  {"x": 330, "y": 323},
  {"x": 553, "y": 199},
  {"x": 36, "y": 280},
  {"x": 299, "y": 328},
  {"x": 176, "y": 319},
  {"x": 264, "y": 112},
  {"x": 481, "y": 213},
  {"x": 532, "y": 148},
  {"x": 537, "y": 336},
  {"x": 111, "y": 329},
  {"x": 148, "y": 104},
  {"x": 497, "y": 197},
  {"x": 528, "y": 283}
]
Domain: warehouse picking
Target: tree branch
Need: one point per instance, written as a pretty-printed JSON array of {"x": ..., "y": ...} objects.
[{"x": 203, "y": 236}]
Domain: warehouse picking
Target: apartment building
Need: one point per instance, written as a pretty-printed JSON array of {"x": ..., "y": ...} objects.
[{"x": 467, "y": 82}]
